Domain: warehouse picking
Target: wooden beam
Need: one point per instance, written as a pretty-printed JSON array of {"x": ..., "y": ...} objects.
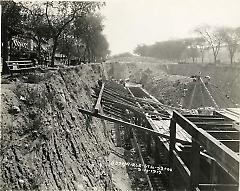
[
  {"x": 232, "y": 144},
  {"x": 141, "y": 159},
  {"x": 127, "y": 124},
  {"x": 224, "y": 156},
  {"x": 118, "y": 98},
  {"x": 172, "y": 143},
  {"x": 228, "y": 187},
  {"x": 199, "y": 116},
  {"x": 208, "y": 92},
  {"x": 206, "y": 119},
  {"x": 221, "y": 123},
  {"x": 133, "y": 108},
  {"x": 234, "y": 135},
  {"x": 222, "y": 131},
  {"x": 98, "y": 103},
  {"x": 183, "y": 169},
  {"x": 195, "y": 164}
]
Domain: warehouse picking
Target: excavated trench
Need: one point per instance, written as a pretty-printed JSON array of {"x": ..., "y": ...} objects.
[{"x": 172, "y": 84}]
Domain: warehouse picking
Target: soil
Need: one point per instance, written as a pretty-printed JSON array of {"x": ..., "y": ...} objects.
[{"x": 46, "y": 143}]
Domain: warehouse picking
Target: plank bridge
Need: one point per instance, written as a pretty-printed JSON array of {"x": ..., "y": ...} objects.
[{"x": 195, "y": 152}]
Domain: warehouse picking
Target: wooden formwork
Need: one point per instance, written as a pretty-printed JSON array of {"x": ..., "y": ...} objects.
[
  {"x": 215, "y": 138},
  {"x": 203, "y": 149}
]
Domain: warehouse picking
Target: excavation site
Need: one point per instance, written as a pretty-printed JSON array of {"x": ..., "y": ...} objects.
[{"x": 81, "y": 111}]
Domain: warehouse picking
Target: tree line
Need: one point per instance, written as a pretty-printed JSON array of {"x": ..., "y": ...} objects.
[
  {"x": 73, "y": 28},
  {"x": 208, "y": 38}
]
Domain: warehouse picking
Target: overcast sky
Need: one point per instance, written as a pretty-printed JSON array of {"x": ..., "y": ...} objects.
[{"x": 131, "y": 22}]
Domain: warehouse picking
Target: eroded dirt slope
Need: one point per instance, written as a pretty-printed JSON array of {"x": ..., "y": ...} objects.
[{"x": 46, "y": 143}]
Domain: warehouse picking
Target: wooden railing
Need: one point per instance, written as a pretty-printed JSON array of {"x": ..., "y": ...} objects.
[{"x": 225, "y": 157}]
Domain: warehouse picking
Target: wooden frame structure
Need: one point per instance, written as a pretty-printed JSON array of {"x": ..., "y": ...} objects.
[
  {"x": 213, "y": 137},
  {"x": 206, "y": 140}
]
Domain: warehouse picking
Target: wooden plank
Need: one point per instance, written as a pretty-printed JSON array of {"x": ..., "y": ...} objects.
[
  {"x": 217, "y": 124},
  {"x": 234, "y": 135},
  {"x": 198, "y": 116},
  {"x": 117, "y": 97},
  {"x": 206, "y": 119},
  {"x": 172, "y": 140},
  {"x": 195, "y": 164},
  {"x": 127, "y": 124},
  {"x": 172, "y": 143},
  {"x": 141, "y": 159},
  {"x": 224, "y": 187},
  {"x": 232, "y": 144},
  {"x": 222, "y": 131},
  {"x": 133, "y": 108},
  {"x": 209, "y": 94},
  {"x": 19, "y": 61},
  {"x": 224, "y": 156},
  {"x": 98, "y": 103},
  {"x": 183, "y": 169}
]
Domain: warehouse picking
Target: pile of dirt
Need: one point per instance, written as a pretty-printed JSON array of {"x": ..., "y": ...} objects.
[
  {"x": 168, "y": 89},
  {"x": 46, "y": 143}
]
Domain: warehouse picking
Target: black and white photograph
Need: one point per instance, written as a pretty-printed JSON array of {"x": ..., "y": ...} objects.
[{"x": 120, "y": 95}]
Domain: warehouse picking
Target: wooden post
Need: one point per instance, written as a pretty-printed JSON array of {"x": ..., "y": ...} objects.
[
  {"x": 213, "y": 175},
  {"x": 157, "y": 150},
  {"x": 195, "y": 164},
  {"x": 171, "y": 154},
  {"x": 117, "y": 134}
]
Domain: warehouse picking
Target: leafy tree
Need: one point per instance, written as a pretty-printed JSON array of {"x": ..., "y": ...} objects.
[
  {"x": 89, "y": 29},
  {"x": 60, "y": 14},
  {"x": 11, "y": 26},
  {"x": 100, "y": 47},
  {"x": 192, "y": 49},
  {"x": 169, "y": 50},
  {"x": 212, "y": 37},
  {"x": 141, "y": 50},
  {"x": 36, "y": 27}
]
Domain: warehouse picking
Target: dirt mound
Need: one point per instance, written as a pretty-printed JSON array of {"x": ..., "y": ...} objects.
[{"x": 47, "y": 144}]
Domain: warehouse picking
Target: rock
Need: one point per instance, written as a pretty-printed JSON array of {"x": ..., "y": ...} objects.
[
  {"x": 21, "y": 181},
  {"x": 15, "y": 109},
  {"x": 22, "y": 98}
]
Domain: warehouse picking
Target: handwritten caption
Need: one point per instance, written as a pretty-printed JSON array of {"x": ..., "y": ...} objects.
[{"x": 145, "y": 168}]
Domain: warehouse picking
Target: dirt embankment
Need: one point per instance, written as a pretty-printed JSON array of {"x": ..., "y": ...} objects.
[
  {"x": 168, "y": 89},
  {"x": 46, "y": 143},
  {"x": 171, "y": 83},
  {"x": 224, "y": 83}
]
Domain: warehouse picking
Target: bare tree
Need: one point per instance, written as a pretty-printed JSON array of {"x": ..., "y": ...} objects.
[
  {"x": 213, "y": 38},
  {"x": 231, "y": 39}
]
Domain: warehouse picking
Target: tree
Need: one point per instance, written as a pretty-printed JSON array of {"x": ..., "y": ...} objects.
[
  {"x": 35, "y": 26},
  {"x": 191, "y": 45},
  {"x": 11, "y": 26},
  {"x": 60, "y": 14},
  {"x": 212, "y": 37},
  {"x": 231, "y": 39},
  {"x": 100, "y": 47},
  {"x": 89, "y": 29},
  {"x": 201, "y": 45},
  {"x": 169, "y": 50},
  {"x": 141, "y": 50}
]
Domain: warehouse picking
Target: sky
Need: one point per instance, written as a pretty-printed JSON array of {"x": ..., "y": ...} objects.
[{"x": 132, "y": 22}]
